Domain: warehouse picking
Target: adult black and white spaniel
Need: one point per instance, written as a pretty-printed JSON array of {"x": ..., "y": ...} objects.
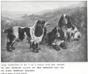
[
  {"x": 14, "y": 34},
  {"x": 70, "y": 30},
  {"x": 36, "y": 34}
]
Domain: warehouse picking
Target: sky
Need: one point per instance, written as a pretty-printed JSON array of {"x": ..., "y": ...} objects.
[{"x": 25, "y": 7}]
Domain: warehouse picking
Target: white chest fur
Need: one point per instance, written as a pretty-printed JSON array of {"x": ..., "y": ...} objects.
[{"x": 33, "y": 37}]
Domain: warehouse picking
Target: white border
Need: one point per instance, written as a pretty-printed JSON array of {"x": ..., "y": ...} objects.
[{"x": 70, "y": 67}]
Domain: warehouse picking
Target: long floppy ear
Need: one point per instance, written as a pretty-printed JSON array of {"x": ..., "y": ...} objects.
[
  {"x": 61, "y": 21},
  {"x": 69, "y": 19}
]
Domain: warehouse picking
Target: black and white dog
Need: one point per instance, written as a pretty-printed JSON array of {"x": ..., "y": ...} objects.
[
  {"x": 36, "y": 34},
  {"x": 70, "y": 30}
]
